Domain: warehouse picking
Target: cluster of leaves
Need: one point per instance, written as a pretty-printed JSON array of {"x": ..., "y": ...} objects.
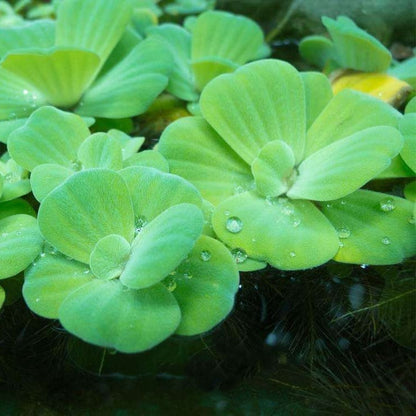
[{"x": 128, "y": 246}]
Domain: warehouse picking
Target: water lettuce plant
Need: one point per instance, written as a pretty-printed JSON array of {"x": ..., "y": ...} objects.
[
  {"x": 355, "y": 59},
  {"x": 183, "y": 7},
  {"x": 283, "y": 161},
  {"x": 112, "y": 73},
  {"x": 219, "y": 43},
  {"x": 126, "y": 265}
]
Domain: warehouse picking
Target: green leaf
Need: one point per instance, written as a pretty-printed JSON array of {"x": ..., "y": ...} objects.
[
  {"x": 16, "y": 206},
  {"x": 206, "y": 160},
  {"x": 2, "y": 296},
  {"x": 206, "y": 69},
  {"x": 375, "y": 228},
  {"x": 129, "y": 145},
  {"x": 206, "y": 284},
  {"x": 150, "y": 158},
  {"x": 397, "y": 169},
  {"x": 410, "y": 191},
  {"x": 161, "y": 245},
  {"x": 108, "y": 314},
  {"x": 355, "y": 48},
  {"x": 129, "y": 87},
  {"x": 225, "y": 35},
  {"x": 398, "y": 310},
  {"x": 153, "y": 191},
  {"x": 260, "y": 102},
  {"x": 8, "y": 126},
  {"x": 347, "y": 113},
  {"x": 45, "y": 178},
  {"x": 318, "y": 94},
  {"x": 275, "y": 230},
  {"x": 49, "y": 136},
  {"x": 20, "y": 243},
  {"x": 37, "y": 34},
  {"x": 181, "y": 83},
  {"x": 272, "y": 168},
  {"x": 50, "y": 280},
  {"x": 411, "y": 106},
  {"x": 92, "y": 25},
  {"x": 405, "y": 71},
  {"x": 88, "y": 206},
  {"x": 317, "y": 50},
  {"x": 407, "y": 127},
  {"x": 360, "y": 157},
  {"x": 61, "y": 74},
  {"x": 109, "y": 257},
  {"x": 18, "y": 99},
  {"x": 100, "y": 150}
]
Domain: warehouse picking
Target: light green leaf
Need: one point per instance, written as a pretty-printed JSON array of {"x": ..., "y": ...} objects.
[
  {"x": 62, "y": 75},
  {"x": 359, "y": 157},
  {"x": 129, "y": 145},
  {"x": 106, "y": 313},
  {"x": 377, "y": 228},
  {"x": 45, "y": 178},
  {"x": 181, "y": 83},
  {"x": 260, "y": 102},
  {"x": 197, "y": 153},
  {"x": 92, "y": 25},
  {"x": 109, "y": 256},
  {"x": 317, "y": 50},
  {"x": 398, "y": 310},
  {"x": 153, "y": 191},
  {"x": 162, "y": 245},
  {"x": 2, "y": 296},
  {"x": 100, "y": 150},
  {"x": 225, "y": 35},
  {"x": 8, "y": 126},
  {"x": 407, "y": 127},
  {"x": 150, "y": 158},
  {"x": 410, "y": 191},
  {"x": 88, "y": 206},
  {"x": 129, "y": 87},
  {"x": 318, "y": 94},
  {"x": 355, "y": 48},
  {"x": 206, "y": 69},
  {"x": 272, "y": 168},
  {"x": 276, "y": 230},
  {"x": 20, "y": 243},
  {"x": 405, "y": 71},
  {"x": 18, "y": 99},
  {"x": 206, "y": 284},
  {"x": 50, "y": 280},
  {"x": 37, "y": 34},
  {"x": 49, "y": 136},
  {"x": 411, "y": 106},
  {"x": 347, "y": 113}
]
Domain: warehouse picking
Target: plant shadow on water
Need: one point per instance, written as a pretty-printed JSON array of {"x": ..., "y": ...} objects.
[{"x": 310, "y": 342}]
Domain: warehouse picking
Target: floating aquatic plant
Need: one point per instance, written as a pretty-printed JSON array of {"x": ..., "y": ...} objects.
[
  {"x": 112, "y": 74},
  {"x": 219, "y": 42},
  {"x": 127, "y": 265},
  {"x": 355, "y": 59},
  {"x": 282, "y": 161},
  {"x": 184, "y": 7}
]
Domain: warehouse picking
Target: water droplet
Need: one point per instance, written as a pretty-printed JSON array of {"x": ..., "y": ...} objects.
[
  {"x": 387, "y": 205},
  {"x": 292, "y": 254},
  {"x": 364, "y": 266},
  {"x": 340, "y": 244},
  {"x": 226, "y": 213},
  {"x": 25, "y": 92},
  {"x": 234, "y": 225},
  {"x": 411, "y": 220},
  {"x": 139, "y": 224},
  {"x": 329, "y": 205},
  {"x": 253, "y": 240},
  {"x": 186, "y": 275},
  {"x": 42, "y": 254},
  {"x": 86, "y": 271},
  {"x": 343, "y": 232},
  {"x": 205, "y": 255},
  {"x": 386, "y": 241},
  {"x": 37, "y": 299},
  {"x": 240, "y": 256},
  {"x": 239, "y": 189},
  {"x": 296, "y": 222},
  {"x": 343, "y": 202},
  {"x": 76, "y": 165}
]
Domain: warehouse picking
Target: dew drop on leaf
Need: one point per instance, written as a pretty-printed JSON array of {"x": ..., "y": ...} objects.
[
  {"x": 234, "y": 225},
  {"x": 240, "y": 256},
  {"x": 343, "y": 232},
  {"x": 387, "y": 205},
  {"x": 205, "y": 255},
  {"x": 386, "y": 241},
  {"x": 292, "y": 254}
]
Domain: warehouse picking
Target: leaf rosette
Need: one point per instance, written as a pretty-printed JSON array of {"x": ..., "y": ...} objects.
[
  {"x": 88, "y": 61},
  {"x": 282, "y": 161},
  {"x": 129, "y": 266}
]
